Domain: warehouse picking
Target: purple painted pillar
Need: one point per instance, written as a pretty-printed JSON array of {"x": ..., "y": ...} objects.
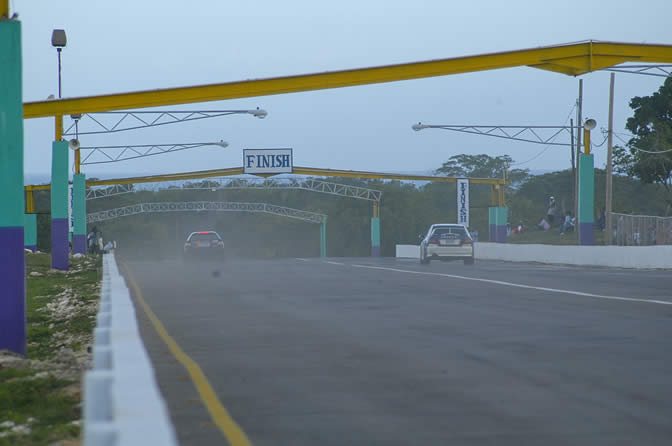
[
  {"x": 60, "y": 231},
  {"x": 12, "y": 294}
]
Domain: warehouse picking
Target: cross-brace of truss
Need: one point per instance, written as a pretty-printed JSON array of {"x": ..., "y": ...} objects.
[
  {"x": 196, "y": 206},
  {"x": 310, "y": 184}
]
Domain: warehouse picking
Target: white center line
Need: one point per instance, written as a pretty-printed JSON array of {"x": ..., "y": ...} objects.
[
  {"x": 519, "y": 285},
  {"x": 334, "y": 263}
]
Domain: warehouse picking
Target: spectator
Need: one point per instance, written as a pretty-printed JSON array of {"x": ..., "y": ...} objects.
[
  {"x": 552, "y": 211},
  {"x": 543, "y": 225},
  {"x": 602, "y": 221},
  {"x": 568, "y": 224},
  {"x": 519, "y": 228}
]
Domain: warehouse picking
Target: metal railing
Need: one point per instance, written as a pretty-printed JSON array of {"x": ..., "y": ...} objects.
[{"x": 641, "y": 230}]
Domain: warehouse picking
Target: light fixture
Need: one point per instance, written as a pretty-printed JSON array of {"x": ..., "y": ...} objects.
[
  {"x": 58, "y": 38},
  {"x": 590, "y": 124},
  {"x": 221, "y": 143},
  {"x": 259, "y": 113},
  {"x": 419, "y": 126},
  {"x": 74, "y": 144}
]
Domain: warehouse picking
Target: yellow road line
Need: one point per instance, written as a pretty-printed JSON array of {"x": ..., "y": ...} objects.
[{"x": 221, "y": 417}]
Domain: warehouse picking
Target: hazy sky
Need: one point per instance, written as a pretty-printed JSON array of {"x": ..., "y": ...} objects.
[{"x": 125, "y": 46}]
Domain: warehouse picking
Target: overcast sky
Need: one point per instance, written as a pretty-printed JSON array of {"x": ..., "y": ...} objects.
[{"x": 123, "y": 46}]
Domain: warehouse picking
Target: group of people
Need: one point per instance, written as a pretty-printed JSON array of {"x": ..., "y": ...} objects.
[
  {"x": 95, "y": 243},
  {"x": 554, "y": 217}
]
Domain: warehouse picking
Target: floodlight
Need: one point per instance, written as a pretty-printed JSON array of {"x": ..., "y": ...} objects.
[
  {"x": 259, "y": 113},
  {"x": 74, "y": 144},
  {"x": 58, "y": 38},
  {"x": 419, "y": 126},
  {"x": 590, "y": 124}
]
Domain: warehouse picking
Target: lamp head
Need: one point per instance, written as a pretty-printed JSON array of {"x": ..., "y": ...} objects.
[
  {"x": 74, "y": 144},
  {"x": 590, "y": 124},
  {"x": 259, "y": 113},
  {"x": 58, "y": 38},
  {"x": 223, "y": 144},
  {"x": 76, "y": 116},
  {"x": 419, "y": 126}
]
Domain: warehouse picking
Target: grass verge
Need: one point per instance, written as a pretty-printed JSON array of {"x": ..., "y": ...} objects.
[{"x": 40, "y": 400}]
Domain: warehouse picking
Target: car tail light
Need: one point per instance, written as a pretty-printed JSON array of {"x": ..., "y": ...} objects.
[
  {"x": 467, "y": 241},
  {"x": 433, "y": 241},
  {"x": 220, "y": 243},
  {"x": 188, "y": 244}
]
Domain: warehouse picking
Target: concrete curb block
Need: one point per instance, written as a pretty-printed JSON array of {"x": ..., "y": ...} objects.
[
  {"x": 122, "y": 402},
  {"x": 641, "y": 257}
]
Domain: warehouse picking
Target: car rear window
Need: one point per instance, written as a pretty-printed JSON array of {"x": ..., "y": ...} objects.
[
  {"x": 209, "y": 237},
  {"x": 457, "y": 230}
]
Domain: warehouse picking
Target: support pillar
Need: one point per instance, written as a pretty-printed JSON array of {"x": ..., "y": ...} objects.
[
  {"x": 12, "y": 206},
  {"x": 60, "y": 248},
  {"x": 323, "y": 238},
  {"x": 79, "y": 213},
  {"x": 375, "y": 231},
  {"x": 497, "y": 219},
  {"x": 586, "y": 215},
  {"x": 30, "y": 231}
]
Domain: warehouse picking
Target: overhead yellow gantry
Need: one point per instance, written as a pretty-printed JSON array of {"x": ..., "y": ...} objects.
[{"x": 572, "y": 59}]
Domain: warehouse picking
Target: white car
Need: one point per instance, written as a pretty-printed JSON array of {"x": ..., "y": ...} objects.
[{"x": 447, "y": 242}]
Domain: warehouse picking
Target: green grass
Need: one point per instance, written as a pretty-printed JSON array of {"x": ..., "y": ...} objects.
[
  {"x": 551, "y": 237},
  {"x": 48, "y": 400}
]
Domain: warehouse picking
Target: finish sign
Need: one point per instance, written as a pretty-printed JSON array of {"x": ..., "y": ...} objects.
[
  {"x": 267, "y": 161},
  {"x": 463, "y": 201}
]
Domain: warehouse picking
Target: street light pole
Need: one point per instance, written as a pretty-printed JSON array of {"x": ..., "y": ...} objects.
[
  {"x": 608, "y": 186},
  {"x": 586, "y": 201}
]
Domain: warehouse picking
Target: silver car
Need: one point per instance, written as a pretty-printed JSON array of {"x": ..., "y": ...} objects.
[{"x": 447, "y": 242}]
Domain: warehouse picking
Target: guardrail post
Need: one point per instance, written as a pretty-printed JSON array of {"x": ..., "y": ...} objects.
[
  {"x": 79, "y": 213},
  {"x": 60, "y": 247},
  {"x": 12, "y": 255},
  {"x": 586, "y": 217}
]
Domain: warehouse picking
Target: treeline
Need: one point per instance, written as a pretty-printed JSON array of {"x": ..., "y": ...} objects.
[{"x": 407, "y": 210}]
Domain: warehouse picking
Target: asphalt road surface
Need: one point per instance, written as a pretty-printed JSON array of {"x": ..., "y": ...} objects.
[{"x": 386, "y": 352}]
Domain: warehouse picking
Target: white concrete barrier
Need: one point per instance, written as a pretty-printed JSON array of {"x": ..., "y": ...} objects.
[
  {"x": 614, "y": 256},
  {"x": 408, "y": 251},
  {"x": 122, "y": 402}
]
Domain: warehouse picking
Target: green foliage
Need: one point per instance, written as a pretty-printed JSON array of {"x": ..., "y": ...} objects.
[
  {"x": 483, "y": 166},
  {"x": 648, "y": 154}
]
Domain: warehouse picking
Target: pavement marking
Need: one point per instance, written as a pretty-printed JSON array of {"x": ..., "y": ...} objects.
[
  {"x": 303, "y": 260},
  {"x": 519, "y": 285},
  {"x": 231, "y": 430},
  {"x": 334, "y": 263}
]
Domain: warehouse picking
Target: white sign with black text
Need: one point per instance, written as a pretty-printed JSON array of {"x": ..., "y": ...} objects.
[
  {"x": 267, "y": 161},
  {"x": 463, "y": 201}
]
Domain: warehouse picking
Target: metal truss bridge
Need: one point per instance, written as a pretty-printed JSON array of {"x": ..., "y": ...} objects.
[
  {"x": 201, "y": 206},
  {"x": 224, "y": 183}
]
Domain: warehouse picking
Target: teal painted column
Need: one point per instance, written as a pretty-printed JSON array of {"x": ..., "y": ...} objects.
[
  {"x": 79, "y": 213},
  {"x": 12, "y": 202},
  {"x": 30, "y": 231},
  {"x": 323, "y": 238},
  {"x": 586, "y": 216},
  {"x": 501, "y": 218},
  {"x": 60, "y": 247},
  {"x": 375, "y": 237}
]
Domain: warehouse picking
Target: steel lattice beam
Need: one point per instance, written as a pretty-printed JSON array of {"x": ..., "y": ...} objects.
[
  {"x": 310, "y": 184},
  {"x": 648, "y": 70},
  {"x": 538, "y": 134},
  {"x": 201, "y": 206},
  {"x": 120, "y": 121}
]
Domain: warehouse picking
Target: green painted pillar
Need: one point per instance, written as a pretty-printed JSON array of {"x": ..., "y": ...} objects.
[
  {"x": 323, "y": 238},
  {"x": 60, "y": 247},
  {"x": 501, "y": 219},
  {"x": 79, "y": 213},
  {"x": 30, "y": 231},
  {"x": 586, "y": 216},
  {"x": 12, "y": 201},
  {"x": 375, "y": 237}
]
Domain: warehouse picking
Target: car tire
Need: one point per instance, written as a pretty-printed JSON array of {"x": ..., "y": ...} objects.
[
  {"x": 423, "y": 259},
  {"x": 469, "y": 261}
]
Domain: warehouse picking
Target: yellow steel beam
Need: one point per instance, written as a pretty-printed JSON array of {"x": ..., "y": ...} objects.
[
  {"x": 4, "y": 8},
  {"x": 202, "y": 174},
  {"x": 572, "y": 59}
]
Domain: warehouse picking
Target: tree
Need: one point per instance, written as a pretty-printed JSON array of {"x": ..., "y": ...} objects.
[
  {"x": 483, "y": 166},
  {"x": 648, "y": 154}
]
